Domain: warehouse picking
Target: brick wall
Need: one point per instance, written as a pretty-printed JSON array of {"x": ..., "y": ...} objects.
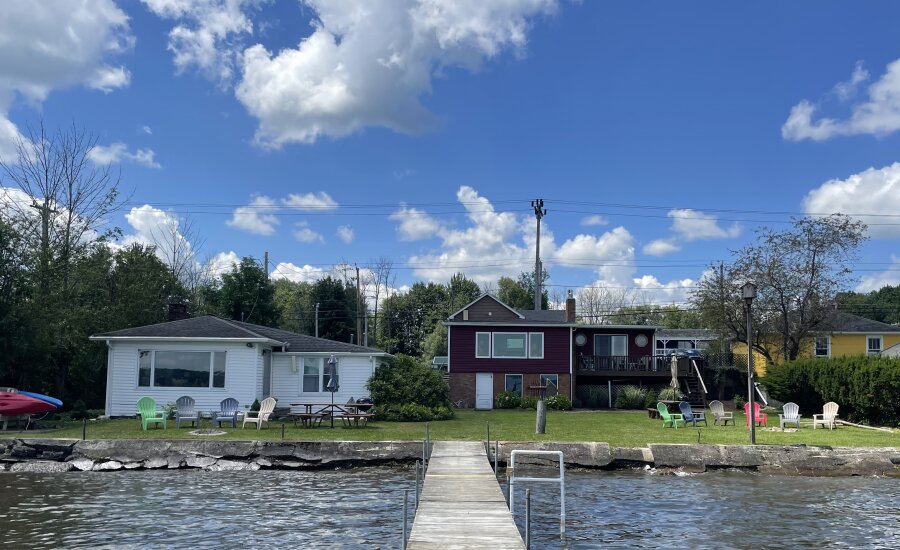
[{"x": 462, "y": 386}]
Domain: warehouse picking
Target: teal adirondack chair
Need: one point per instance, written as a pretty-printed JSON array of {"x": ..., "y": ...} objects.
[
  {"x": 149, "y": 415},
  {"x": 669, "y": 419}
]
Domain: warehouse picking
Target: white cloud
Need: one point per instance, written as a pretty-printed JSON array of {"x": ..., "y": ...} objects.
[
  {"x": 306, "y": 235},
  {"x": 873, "y": 191},
  {"x": 611, "y": 255},
  {"x": 157, "y": 228},
  {"x": 305, "y": 274},
  {"x": 596, "y": 219},
  {"x": 653, "y": 291},
  {"x": 208, "y": 34},
  {"x": 415, "y": 224},
  {"x": 147, "y": 130},
  {"x": 878, "y": 115},
  {"x": 56, "y": 44},
  {"x": 118, "y": 152},
  {"x": 345, "y": 233},
  {"x": 311, "y": 201},
  {"x": 890, "y": 277},
  {"x": 257, "y": 217},
  {"x": 222, "y": 263},
  {"x": 369, "y": 65},
  {"x": 661, "y": 247},
  {"x": 694, "y": 225}
]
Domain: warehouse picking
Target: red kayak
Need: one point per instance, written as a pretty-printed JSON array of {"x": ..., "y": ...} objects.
[{"x": 13, "y": 403}]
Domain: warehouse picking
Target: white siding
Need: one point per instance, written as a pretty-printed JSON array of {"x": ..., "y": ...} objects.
[
  {"x": 242, "y": 375},
  {"x": 354, "y": 371}
]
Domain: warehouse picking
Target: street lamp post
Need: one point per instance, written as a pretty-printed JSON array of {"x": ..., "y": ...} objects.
[{"x": 749, "y": 293}]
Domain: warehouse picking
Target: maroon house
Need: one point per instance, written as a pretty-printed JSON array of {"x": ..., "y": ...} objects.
[{"x": 494, "y": 348}]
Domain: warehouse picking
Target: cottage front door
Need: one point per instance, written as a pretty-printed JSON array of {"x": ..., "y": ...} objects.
[{"x": 484, "y": 390}]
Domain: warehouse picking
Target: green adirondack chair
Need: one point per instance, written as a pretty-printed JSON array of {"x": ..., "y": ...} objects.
[
  {"x": 147, "y": 407},
  {"x": 669, "y": 419}
]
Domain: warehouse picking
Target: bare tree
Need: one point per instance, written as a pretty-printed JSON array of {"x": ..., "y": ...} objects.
[
  {"x": 600, "y": 305},
  {"x": 178, "y": 243},
  {"x": 382, "y": 275}
]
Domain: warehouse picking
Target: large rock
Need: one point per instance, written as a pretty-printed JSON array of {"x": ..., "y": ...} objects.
[
  {"x": 587, "y": 455},
  {"x": 121, "y": 450}
]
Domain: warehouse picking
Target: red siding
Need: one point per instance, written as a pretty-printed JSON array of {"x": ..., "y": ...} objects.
[
  {"x": 555, "y": 361},
  {"x": 633, "y": 349}
]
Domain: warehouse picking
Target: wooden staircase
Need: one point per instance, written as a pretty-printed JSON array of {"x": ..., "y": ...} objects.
[{"x": 693, "y": 391}]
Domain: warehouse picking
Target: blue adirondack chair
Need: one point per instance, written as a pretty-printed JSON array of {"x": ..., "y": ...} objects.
[
  {"x": 690, "y": 416},
  {"x": 184, "y": 410},
  {"x": 228, "y": 411}
]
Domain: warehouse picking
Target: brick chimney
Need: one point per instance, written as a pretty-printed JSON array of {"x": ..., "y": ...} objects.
[
  {"x": 177, "y": 309},
  {"x": 570, "y": 308}
]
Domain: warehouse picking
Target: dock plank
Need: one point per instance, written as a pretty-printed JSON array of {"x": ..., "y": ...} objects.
[{"x": 461, "y": 505}]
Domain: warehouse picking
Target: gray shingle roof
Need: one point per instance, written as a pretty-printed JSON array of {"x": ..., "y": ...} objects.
[
  {"x": 847, "y": 322},
  {"x": 685, "y": 334},
  {"x": 209, "y": 326},
  {"x": 543, "y": 316}
]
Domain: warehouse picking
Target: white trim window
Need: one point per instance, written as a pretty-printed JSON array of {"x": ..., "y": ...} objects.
[
  {"x": 510, "y": 345},
  {"x": 314, "y": 378},
  {"x": 513, "y": 383},
  {"x": 822, "y": 346},
  {"x": 483, "y": 345},
  {"x": 536, "y": 345},
  {"x": 181, "y": 369},
  {"x": 611, "y": 345},
  {"x": 550, "y": 379},
  {"x": 874, "y": 345}
]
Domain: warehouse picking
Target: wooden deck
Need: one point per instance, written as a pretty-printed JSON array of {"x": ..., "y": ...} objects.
[{"x": 461, "y": 505}]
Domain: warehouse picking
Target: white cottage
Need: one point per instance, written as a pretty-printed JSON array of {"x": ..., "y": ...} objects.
[{"x": 210, "y": 359}]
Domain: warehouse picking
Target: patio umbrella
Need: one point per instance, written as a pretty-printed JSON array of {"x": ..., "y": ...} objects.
[
  {"x": 674, "y": 382},
  {"x": 332, "y": 385}
]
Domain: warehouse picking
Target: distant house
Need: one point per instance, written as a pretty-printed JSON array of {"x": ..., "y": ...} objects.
[
  {"x": 893, "y": 351},
  {"x": 684, "y": 339},
  {"x": 495, "y": 348},
  {"x": 210, "y": 359},
  {"x": 849, "y": 334}
]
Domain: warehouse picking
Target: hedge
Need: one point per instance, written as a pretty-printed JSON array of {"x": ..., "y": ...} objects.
[
  {"x": 409, "y": 391},
  {"x": 867, "y": 389}
]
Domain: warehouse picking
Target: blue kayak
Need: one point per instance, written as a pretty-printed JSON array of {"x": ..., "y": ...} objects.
[{"x": 52, "y": 400}]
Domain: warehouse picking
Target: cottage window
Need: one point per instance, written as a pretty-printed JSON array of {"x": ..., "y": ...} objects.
[
  {"x": 510, "y": 345},
  {"x": 823, "y": 346},
  {"x": 514, "y": 384},
  {"x": 483, "y": 344},
  {"x": 315, "y": 375},
  {"x": 551, "y": 381},
  {"x": 610, "y": 345},
  {"x": 536, "y": 345},
  {"x": 874, "y": 345},
  {"x": 181, "y": 369}
]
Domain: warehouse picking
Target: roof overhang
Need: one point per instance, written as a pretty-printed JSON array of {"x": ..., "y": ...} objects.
[
  {"x": 327, "y": 353},
  {"x": 622, "y": 327},
  {"x": 476, "y": 324},
  {"x": 483, "y": 296},
  {"x": 184, "y": 339}
]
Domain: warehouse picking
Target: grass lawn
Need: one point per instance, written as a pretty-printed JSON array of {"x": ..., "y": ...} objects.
[{"x": 618, "y": 428}]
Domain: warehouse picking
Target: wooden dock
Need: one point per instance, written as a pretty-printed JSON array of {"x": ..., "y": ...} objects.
[{"x": 461, "y": 505}]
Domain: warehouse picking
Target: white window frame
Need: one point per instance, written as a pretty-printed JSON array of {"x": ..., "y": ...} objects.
[
  {"x": 494, "y": 345},
  {"x": 880, "y": 339},
  {"x": 521, "y": 386},
  {"x": 555, "y": 375},
  {"x": 490, "y": 341},
  {"x": 543, "y": 339},
  {"x": 827, "y": 346},
  {"x": 322, "y": 367},
  {"x": 624, "y": 336},
  {"x": 152, "y": 385}
]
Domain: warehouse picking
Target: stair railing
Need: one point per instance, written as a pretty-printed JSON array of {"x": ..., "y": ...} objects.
[{"x": 697, "y": 370}]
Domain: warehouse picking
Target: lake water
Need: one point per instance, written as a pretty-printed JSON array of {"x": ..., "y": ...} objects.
[{"x": 361, "y": 508}]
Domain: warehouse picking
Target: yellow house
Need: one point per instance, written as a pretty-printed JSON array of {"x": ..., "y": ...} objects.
[{"x": 853, "y": 335}]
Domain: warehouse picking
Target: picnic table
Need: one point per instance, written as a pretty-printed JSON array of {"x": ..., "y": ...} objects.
[{"x": 351, "y": 414}]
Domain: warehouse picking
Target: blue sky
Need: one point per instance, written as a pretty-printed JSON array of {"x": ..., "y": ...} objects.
[{"x": 659, "y": 134}]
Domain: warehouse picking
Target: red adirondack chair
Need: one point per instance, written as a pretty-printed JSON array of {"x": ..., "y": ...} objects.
[{"x": 758, "y": 417}]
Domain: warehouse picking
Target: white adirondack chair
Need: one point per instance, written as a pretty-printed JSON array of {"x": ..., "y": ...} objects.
[
  {"x": 791, "y": 415},
  {"x": 829, "y": 413},
  {"x": 719, "y": 414},
  {"x": 262, "y": 415}
]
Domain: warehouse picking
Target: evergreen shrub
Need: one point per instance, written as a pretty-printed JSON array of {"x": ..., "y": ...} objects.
[
  {"x": 528, "y": 402},
  {"x": 558, "y": 402},
  {"x": 507, "y": 400},
  {"x": 409, "y": 391}
]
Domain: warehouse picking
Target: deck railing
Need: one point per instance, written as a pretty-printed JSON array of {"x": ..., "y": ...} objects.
[{"x": 629, "y": 363}]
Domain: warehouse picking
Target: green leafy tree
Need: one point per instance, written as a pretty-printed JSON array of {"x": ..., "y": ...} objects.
[
  {"x": 798, "y": 272},
  {"x": 410, "y": 317},
  {"x": 519, "y": 294},
  {"x": 408, "y": 381},
  {"x": 879, "y": 305},
  {"x": 337, "y": 309},
  {"x": 246, "y": 294}
]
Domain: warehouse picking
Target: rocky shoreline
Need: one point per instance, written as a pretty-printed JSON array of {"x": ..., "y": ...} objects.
[{"x": 63, "y": 455}]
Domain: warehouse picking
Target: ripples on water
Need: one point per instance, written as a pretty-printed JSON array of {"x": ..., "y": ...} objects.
[{"x": 361, "y": 508}]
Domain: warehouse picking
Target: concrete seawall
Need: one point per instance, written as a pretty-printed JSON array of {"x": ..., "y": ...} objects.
[{"x": 60, "y": 455}]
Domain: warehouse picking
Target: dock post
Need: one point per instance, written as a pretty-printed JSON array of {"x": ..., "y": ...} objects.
[
  {"x": 405, "y": 513},
  {"x": 527, "y": 519},
  {"x": 417, "y": 485}
]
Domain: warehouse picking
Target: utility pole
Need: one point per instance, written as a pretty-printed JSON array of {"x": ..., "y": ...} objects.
[
  {"x": 358, "y": 310},
  {"x": 266, "y": 263},
  {"x": 317, "y": 319},
  {"x": 539, "y": 212}
]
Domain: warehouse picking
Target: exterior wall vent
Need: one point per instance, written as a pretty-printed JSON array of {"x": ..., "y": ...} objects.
[{"x": 465, "y": 315}]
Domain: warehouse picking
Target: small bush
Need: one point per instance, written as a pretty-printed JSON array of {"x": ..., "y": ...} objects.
[
  {"x": 630, "y": 397},
  {"x": 79, "y": 411},
  {"x": 528, "y": 402},
  {"x": 412, "y": 412},
  {"x": 507, "y": 400},
  {"x": 651, "y": 399},
  {"x": 559, "y": 403},
  {"x": 670, "y": 394},
  {"x": 442, "y": 413},
  {"x": 739, "y": 401}
]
